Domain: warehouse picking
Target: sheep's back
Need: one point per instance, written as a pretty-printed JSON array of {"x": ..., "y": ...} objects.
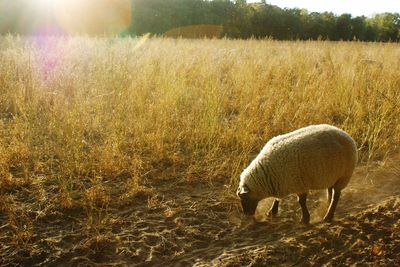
[{"x": 314, "y": 157}]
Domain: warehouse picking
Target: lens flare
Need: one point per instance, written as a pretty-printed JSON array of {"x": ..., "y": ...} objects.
[
  {"x": 92, "y": 17},
  {"x": 69, "y": 17}
]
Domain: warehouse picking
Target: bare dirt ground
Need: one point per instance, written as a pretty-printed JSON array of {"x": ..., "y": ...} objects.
[{"x": 186, "y": 224}]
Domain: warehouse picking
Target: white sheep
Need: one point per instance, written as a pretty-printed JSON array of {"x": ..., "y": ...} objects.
[{"x": 310, "y": 158}]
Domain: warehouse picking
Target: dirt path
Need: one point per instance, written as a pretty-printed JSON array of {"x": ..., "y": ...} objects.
[
  {"x": 367, "y": 229},
  {"x": 202, "y": 225}
]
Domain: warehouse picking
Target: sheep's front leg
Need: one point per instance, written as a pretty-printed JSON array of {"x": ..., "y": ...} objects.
[
  {"x": 306, "y": 215},
  {"x": 332, "y": 207},
  {"x": 274, "y": 209}
]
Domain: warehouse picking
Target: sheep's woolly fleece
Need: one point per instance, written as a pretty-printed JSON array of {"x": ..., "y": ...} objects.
[{"x": 314, "y": 157}]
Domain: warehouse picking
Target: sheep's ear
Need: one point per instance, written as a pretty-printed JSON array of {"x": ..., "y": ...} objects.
[{"x": 243, "y": 190}]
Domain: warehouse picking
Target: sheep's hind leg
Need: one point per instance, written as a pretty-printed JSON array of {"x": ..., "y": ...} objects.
[
  {"x": 305, "y": 219},
  {"x": 329, "y": 195},
  {"x": 332, "y": 207},
  {"x": 274, "y": 209}
]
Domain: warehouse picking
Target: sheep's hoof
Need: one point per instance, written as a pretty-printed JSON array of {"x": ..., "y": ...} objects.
[
  {"x": 328, "y": 219},
  {"x": 305, "y": 220}
]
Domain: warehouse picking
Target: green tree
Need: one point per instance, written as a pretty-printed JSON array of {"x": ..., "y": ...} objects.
[
  {"x": 359, "y": 28},
  {"x": 387, "y": 26},
  {"x": 343, "y": 30}
]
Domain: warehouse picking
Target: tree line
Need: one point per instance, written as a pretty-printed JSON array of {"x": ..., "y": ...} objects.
[
  {"x": 259, "y": 20},
  {"x": 238, "y": 19}
]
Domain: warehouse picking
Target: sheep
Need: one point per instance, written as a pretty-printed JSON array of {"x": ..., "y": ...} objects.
[{"x": 310, "y": 158}]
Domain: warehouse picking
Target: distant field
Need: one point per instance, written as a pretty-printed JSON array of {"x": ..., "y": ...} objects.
[{"x": 86, "y": 123}]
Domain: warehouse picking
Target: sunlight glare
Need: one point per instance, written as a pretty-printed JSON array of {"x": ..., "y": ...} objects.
[
  {"x": 93, "y": 16},
  {"x": 48, "y": 4}
]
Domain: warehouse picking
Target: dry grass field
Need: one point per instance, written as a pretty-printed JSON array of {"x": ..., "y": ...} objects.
[{"x": 128, "y": 151}]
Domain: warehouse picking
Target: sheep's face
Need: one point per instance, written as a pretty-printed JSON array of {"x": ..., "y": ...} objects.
[{"x": 249, "y": 203}]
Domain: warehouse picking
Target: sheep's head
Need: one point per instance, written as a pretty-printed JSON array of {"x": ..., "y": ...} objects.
[{"x": 249, "y": 203}]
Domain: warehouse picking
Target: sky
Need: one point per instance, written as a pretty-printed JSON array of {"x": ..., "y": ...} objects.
[{"x": 354, "y": 7}]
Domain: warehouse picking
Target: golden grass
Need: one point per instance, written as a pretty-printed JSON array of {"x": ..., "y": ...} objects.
[
  {"x": 97, "y": 109},
  {"x": 85, "y": 122}
]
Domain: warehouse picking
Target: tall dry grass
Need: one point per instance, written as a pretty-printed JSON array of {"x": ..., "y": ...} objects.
[
  {"x": 88, "y": 125},
  {"x": 86, "y": 120}
]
